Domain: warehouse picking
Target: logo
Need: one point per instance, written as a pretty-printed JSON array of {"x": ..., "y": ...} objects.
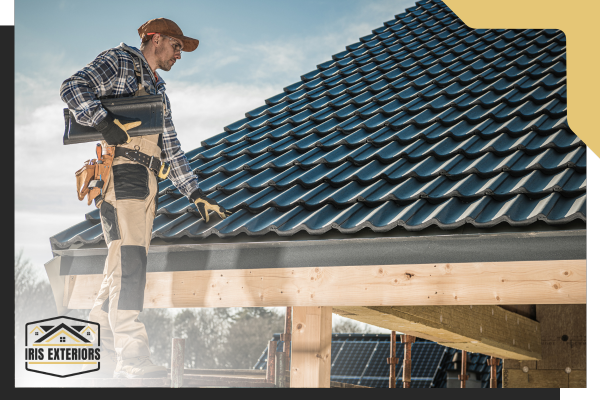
[{"x": 62, "y": 346}]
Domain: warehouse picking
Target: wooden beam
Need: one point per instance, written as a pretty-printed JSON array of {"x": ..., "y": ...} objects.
[
  {"x": 57, "y": 283},
  {"x": 531, "y": 282},
  {"x": 311, "y": 347},
  {"x": 478, "y": 329},
  {"x": 69, "y": 288}
]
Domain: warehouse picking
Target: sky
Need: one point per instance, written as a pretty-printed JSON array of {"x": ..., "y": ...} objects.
[{"x": 248, "y": 51}]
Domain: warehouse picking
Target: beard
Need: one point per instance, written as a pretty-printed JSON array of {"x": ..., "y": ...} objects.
[
  {"x": 163, "y": 60},
  {"x": 165, "y": 65}
]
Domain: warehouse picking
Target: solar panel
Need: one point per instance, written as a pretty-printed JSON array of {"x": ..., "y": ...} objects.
[
  {"x": 378, "y": 369},
  {"x": 378, "y": 366},
  {"x": 426, "y": 357},
  {"x": 375, "y": 382},
  {"x": 335, "y": 349},
  {"x": 361, "y": 360},
  {"x": 351, "y": 363},
  {"x": 420, "y": 384}
]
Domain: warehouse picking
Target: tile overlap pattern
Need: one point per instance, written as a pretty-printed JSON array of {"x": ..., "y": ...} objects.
[{"x": 423, "y": 122}]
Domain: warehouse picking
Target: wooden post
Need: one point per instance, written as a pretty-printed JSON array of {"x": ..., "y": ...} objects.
[
  {"x": 463, "y": 370},
  {"x": 271, "y": 361},
  {"x": 287, "y": 337},
  {"x": 493, "y": 362},
  {"x": 406, "y": 366},
  {"x": 280, "y": 369},
  {"x": 392, "y": 360},
  {"x": 311, "y": 353},
  {"x": 177, "y": 357}
]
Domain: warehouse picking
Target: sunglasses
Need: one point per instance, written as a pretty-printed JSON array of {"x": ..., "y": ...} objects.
[{"x": 178, "y": 47}]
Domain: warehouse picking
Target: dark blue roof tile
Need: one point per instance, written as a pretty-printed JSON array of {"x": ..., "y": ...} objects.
[
  {"x": 275, "y": 99},
  {"x": 425, "y": 121}
]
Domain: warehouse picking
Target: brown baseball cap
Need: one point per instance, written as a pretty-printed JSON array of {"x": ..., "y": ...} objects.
[{"x": 169, "y": 28}]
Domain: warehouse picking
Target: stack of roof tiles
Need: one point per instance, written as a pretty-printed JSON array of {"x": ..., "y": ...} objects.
[
  {"x": 360, "y": 359},
  {"x": 425, "y": 121}
]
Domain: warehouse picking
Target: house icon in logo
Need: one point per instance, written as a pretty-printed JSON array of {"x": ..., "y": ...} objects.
[
  {"x": 58, "y": 335},
  {"x": 62, "y": 346}
]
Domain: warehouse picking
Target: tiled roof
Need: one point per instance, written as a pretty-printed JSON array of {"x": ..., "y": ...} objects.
[
  {"x": 423, "y": 122},
  {"x": 477, "y": 365},
  {"x": 360, "y": 359}
]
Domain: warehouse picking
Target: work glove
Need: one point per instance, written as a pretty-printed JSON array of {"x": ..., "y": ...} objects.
[
  {"x": 206, "y": 204},
  {"x": 114, "y": 129}
]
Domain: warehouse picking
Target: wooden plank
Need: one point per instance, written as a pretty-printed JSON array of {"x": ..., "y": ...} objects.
[
  {"x": 57, "y": 283},
  {"x": 481, "y": 329},
  {"x": 216, "y": 381},
  {"x": 342, "y": 385},
  {"x": 69, "y": 287},
  {"x": 83, "y": 381},
  {"x": 539, "y": 282},
  {"x": 177, "y": 360},
  {"x": 311, "y": 349},
  {"x": 271, "y": 349},
  {"x": 577, "y": 379},
  {"x": 549, "y": 378},
  {"x": 248, "y": 373}
]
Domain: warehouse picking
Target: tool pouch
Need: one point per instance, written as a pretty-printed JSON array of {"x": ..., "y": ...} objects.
[
  {"x": 83, "y": 177},
  {"x": 93, "y": 177}
]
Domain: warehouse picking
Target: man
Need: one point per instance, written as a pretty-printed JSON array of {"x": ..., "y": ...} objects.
[{"x": 128, "y": 202}]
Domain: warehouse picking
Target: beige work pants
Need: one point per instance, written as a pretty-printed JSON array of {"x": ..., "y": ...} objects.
[{"x": 127, "y": 214}]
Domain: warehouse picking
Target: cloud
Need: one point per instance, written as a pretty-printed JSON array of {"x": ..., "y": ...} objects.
[
  {"x": 207, "y": 95},
  {"x": 282, "y": 59},
  {"x": 45, "y": 200},
  {"x": 203, "y": 110}
]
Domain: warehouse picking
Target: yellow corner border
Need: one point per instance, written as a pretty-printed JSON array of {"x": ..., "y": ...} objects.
[{"x": 577, "y": 19}]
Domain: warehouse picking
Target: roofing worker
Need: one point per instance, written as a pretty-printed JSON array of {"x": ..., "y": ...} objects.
[{"x": 128, "y": 203}]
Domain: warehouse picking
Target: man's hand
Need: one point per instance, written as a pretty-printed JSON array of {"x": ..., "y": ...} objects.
[
  {"x": 114, "y": 129},
  {"x": 206, "y": 204}
]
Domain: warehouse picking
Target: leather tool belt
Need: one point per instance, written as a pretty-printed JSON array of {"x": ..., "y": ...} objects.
[
  {"x": 92, "y": 178},
  {"x": 159, "y": 168}
]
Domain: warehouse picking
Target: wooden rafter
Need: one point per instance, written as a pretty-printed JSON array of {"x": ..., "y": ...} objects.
[{"x": 479, "y": 329}]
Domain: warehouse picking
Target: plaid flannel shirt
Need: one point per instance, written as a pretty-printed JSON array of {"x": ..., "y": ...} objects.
[{"x": 112, "y": 74}]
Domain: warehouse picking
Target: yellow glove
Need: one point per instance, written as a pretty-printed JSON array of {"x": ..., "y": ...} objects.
[
  {"x": 114, "y": 130},
  {"x": 206, "y": 204},
  {"x": 127, "y": 126}
]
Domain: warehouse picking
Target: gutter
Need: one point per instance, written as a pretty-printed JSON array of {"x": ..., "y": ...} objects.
[{"x": 466, "y": 248}]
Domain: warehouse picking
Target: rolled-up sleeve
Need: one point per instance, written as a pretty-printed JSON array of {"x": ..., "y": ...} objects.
[
  {"x": 82, "y": 90},
  {"x": 112, "y": 74}
]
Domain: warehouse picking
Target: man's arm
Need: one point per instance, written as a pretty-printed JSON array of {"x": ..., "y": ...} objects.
[
  {"x": 181, "y": 174},
  {"x": 111, "y": 73}
]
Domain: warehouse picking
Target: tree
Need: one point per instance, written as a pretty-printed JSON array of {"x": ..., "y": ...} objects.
[
  {"x": 33, "y": 300},
  {"x": 159, "y": 325},
  {"x": 250, "y": 330},
  {"x": 205, "y": 331}
]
